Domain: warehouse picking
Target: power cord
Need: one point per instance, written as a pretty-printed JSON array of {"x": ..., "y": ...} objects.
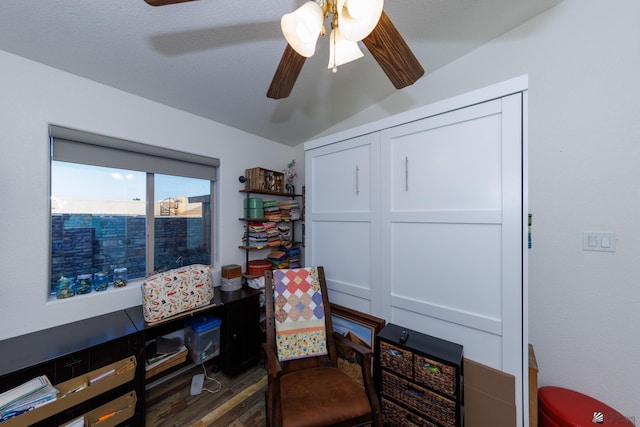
[{"x": 218, "y": 384}]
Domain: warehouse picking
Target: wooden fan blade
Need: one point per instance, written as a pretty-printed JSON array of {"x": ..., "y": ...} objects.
[
  {"x": 164, "y": 2},
  {"x": 393, "y": 54},
  {"x": 286, "y": 74}
]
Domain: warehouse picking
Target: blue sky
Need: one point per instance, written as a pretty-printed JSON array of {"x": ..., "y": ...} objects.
[{"x": 77, "y": 181}]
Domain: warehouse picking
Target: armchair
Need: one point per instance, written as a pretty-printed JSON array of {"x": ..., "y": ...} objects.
[{"x": 305, "y": 386}]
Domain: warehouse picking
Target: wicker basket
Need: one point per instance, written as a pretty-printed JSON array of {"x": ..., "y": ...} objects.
[
  {"x": 396, "y": 416},
  {"x": 436, "y": 375},
  {"x": 396, "y": 359},
  {"x": 432, "y": 405}
]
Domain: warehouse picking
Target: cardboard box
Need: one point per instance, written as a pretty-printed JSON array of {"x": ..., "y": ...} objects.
[
  {"x": 79, "y": 389},
  {"x": 489, "y": 396},
  {"x": 533, "y": 388},
  {"x": 113, "y": 413}
]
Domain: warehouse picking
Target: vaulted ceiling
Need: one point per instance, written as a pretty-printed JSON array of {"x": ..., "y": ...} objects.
[{"x": 216, "y": 58}]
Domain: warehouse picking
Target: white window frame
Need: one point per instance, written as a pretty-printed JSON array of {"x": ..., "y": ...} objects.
[{"x": 74, "y": 146}]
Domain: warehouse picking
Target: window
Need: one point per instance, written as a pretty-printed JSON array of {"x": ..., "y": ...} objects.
[{"x": 118, "y": 205}]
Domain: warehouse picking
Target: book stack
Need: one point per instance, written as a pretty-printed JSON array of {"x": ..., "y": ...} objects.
[
  {"x": 285, "y": 258},
  {"x": 27, "y": 396},
  {"x": 285, "y": 233},
  {"x": 293, "y": 254},
  {"x": 272, "y": 210},
  {"x": 164, "y": 353},
  {"x": 289, "y": 210},
  {"x": 273, "y": 234},
  {"x": 255, "y": 235},
  {"x": 278, "y": 259}
]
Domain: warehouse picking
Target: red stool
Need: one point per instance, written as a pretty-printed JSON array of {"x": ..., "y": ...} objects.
[{"x": 561, "y": 407}]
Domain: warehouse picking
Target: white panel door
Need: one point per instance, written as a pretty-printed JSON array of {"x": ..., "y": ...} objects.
[
  {"x": 452, "y": 230},
  {"x": 342, "y": 218}
]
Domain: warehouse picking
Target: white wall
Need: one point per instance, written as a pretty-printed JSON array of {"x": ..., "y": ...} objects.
[
  {"x": 582, "y": 58},
  {"x": 32, "y": 97},
  {"x": 583, "y": 62}
]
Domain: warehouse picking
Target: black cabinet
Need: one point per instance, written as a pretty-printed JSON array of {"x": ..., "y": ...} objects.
[
  {"x": 69, "y": 355},
  {"x": 239, "y": 339},
  {"x": 240, "y": 346},
  {"x": 76, "y": 352},
  {"x": 419, "y": 379}
]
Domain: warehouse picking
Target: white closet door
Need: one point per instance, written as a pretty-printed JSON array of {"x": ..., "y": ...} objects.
[
  {"x": 452, "y": 230},
  {"x": 342, "y": 218}
]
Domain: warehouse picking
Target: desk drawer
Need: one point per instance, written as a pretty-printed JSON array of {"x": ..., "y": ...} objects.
[
  {"x": 435, "y": 375},
  {"x": 397, "y": 359},
  {"x": 396, "y": 416},
  {"x": 432, "y": 405}
]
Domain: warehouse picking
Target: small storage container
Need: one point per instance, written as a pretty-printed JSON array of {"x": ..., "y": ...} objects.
[
  {"x": 83, "y": 284},
  {"x": 253, "y": 208},
  {"x": 257, "y": 267},
  {"x": 100, "y": 281},
  {"x": 231, "y": 271},
  {"x": 563, "y": 407},
  {"x": 202, "y": 337},
  {"x": 231, "y": 284},
  {"x": 120, "y": 277}
]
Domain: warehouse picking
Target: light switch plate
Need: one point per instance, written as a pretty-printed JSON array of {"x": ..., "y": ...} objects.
[{"x": 599, "y": 241}]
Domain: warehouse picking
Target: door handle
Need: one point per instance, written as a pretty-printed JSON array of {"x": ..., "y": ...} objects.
[{"x": 406, "y": 174}]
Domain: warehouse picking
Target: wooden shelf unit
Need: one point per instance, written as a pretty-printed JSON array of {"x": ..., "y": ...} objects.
[{"x": 247, "y": 221}]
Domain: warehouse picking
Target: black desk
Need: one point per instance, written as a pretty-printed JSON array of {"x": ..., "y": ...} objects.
[
  {"x": 69, "y": 351},
  {"x": 47, "y": 345},
  {"x": 239, "y": 333}
]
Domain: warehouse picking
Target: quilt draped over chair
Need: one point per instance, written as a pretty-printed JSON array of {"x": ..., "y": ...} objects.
[{"x": 305, "y": 386}]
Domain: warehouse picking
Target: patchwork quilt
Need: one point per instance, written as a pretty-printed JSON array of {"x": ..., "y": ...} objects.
[{"x": 299, "y": 314}]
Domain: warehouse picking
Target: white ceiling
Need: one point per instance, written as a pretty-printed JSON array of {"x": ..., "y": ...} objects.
[{"x": 216, "y": 58}]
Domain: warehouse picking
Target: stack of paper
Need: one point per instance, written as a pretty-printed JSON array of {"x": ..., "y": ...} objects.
[
  {"x": 26, "y": 397},
  {"x": 161, "y": 350}
]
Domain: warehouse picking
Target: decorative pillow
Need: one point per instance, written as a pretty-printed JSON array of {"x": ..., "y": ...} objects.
[
  {"x": 175, "y": 291},
  {"x": 299, "y": 314}
]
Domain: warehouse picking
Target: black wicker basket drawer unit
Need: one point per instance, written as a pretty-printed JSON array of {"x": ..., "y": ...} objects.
[
  {"x": 398, "y": 416},
  {"x": 419, "y": 380}
]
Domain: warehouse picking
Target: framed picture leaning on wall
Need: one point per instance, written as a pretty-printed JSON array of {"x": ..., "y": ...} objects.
[{"x": 358, "y": 327}]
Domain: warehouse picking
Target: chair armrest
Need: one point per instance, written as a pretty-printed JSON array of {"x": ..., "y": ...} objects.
[
  {"x": 361, "y": 351},
  {"x": 364, "y": 356},
  {"x": 273, "y": 365}
]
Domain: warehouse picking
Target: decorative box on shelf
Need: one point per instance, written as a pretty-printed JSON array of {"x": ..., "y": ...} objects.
[
  {"x": 264, "y": 179},
  {"x": 419, "y": 379}
]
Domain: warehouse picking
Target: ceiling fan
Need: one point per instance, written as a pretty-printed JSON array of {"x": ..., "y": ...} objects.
[{"x": 385, "y": 43}]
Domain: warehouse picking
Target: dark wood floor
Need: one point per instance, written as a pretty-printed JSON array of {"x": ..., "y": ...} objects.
[{"x": 239, "y": 403}]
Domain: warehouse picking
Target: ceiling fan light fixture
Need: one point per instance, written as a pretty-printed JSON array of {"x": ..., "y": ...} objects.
[
  {"x": 342, "y": 50},
  {"x": 358, "y": 18},
  {"x": 302, "y": 27},
  {"x": 355, "y": 20}
]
